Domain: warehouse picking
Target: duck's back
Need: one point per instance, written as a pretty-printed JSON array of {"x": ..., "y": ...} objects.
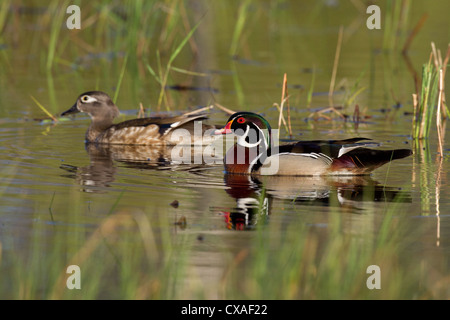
[{"x": 155, "y": 131}]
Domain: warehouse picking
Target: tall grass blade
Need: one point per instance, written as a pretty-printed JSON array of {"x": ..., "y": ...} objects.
[
  {"x": 153, "y": 73},
  {"x": 57, "y": 23},
  {"x": 174, "y": 54},
  {"x": 44, "y": 109},
  {"x": 427, "y": 101},
  {"x": 242, "y": 17},
  {"x": 311, "y": 89},
  {"x": 119, "y": 81},
  {"x": 4, "y": 10}
]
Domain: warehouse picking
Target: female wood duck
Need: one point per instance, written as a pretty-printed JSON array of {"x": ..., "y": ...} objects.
[
  {"x": 144, "y": 131},
  {"x": 255, "y": 152}
]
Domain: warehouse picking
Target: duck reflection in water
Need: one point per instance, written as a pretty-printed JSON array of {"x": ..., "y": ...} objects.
[
  {"x": 104, "y": 159},
  {"x": 255, "y": 195},
  {"x": 98, "y": 175},
  {"x": 252, "y": 203}
]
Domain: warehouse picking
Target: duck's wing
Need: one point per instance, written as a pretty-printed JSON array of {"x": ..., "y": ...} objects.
[
  {"x": 165, "y": 124},
  {"x": 149, "y": 131},
  {"x": 330, "y": 148}
]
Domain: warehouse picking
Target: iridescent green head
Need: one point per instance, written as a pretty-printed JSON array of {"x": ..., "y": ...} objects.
[{"x": 251, "y": 128}]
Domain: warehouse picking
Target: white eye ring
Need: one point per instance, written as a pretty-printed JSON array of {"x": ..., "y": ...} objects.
[{"x": 87, "y": 99}]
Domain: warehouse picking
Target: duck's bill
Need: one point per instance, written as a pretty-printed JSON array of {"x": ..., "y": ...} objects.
[
  {"x": 225, "y": 130},
  {"x": 72, "y": 110}
]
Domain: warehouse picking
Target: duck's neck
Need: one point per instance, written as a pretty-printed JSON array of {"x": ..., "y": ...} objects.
[
  {"x": 255, "y": 138},
  {"x": 97, "y": 128},
  {"x": 239, "y": 159}
]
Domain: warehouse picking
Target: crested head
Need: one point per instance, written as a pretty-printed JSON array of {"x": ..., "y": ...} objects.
[
  {"x": 252, "y": 129},
  {"x": 243, "y": 118}
]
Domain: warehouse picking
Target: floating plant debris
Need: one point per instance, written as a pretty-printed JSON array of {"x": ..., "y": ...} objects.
[{"x": 180, "y": 87}]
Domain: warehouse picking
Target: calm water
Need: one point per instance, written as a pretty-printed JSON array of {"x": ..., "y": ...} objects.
[{"x": 53, "y": 188}]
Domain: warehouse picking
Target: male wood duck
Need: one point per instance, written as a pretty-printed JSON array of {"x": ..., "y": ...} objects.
[
  {"x": 255, "y": 153},
  {"x": 144, "y": 131}
]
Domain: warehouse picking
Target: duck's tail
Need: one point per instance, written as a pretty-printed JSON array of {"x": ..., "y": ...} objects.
[{"x": 364, "y": 160}]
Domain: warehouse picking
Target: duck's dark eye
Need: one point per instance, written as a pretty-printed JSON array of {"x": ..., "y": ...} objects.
[
  {"x": 241, "y": 120},
  {"x": 87, "y": 99}
]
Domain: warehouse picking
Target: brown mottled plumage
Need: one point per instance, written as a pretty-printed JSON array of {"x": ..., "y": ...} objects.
[{"x": 145, "y": 131}]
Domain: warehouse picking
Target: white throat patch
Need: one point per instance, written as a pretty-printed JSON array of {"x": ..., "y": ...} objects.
[{"x": 242, "y": 140}]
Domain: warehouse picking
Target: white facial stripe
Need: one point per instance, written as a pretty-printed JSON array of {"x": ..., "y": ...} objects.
[
  {"x": 87, "y": 99},
  {"x": 244, "y": 143}
]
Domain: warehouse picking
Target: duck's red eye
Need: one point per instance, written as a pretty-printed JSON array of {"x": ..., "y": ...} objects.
[{"x": 241, "y": 120}]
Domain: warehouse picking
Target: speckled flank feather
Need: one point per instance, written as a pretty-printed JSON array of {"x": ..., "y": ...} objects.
[
  {"x": 153, "y": 135},
  {"x": 143, "y": 131},
  {"x": 130, "y": 135}
]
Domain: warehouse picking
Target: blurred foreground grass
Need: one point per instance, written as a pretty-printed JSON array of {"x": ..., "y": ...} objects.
[{"x": 135, "y": 254}]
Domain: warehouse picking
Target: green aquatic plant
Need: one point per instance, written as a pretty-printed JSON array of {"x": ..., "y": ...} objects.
[
  {"x": 119, "y": 80},
  {"x": 58, "y": 9},
  {"x": 239, "y": 28},
  {"x": 430, "y": 101},
  {"x": 425, "y": 106},
  {"x": 44, "y": 109},
  {"x": 162, "y": 76},
  {"x": 311, "y": 87},
  {"x": 4, "y": 10},
  {"x": 395, "y": 23}
]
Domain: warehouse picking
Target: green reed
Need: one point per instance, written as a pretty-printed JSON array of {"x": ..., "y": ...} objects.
[
  {"x": 242, "y": 17},
  {"x": 425, "y": 107},
  {"x": 311, "y": 88},
  {"x": 58, "y": 9},
  {"x": 426, "y": 101},
  {"x": 355, "y": 90},
  {"x": 4, "y": 8},
  {"x": 119, "y": 80},
  {"x": 163, "y": 76},
  {"x": 395, "y": 23}
]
